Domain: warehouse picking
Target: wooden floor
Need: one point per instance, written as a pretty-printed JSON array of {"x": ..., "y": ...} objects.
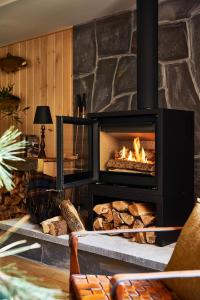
[{"x": 47, "y": 276}]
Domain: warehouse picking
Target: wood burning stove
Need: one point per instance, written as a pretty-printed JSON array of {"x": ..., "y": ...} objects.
[
  {"x": 146, "y": 148},
  {"x": 144, "y": 155}
]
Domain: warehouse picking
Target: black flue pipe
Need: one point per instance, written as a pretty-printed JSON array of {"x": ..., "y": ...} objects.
[{"x": 147, "y": 54}]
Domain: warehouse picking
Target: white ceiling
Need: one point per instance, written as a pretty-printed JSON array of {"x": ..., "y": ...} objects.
[{"x": 24, "y": 19}]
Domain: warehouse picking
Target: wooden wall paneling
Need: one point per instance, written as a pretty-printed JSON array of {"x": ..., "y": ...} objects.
[
  {"x": 43, "y": 70},
  {"x": 51, "y": 58},
  {"x": 30, "y": 98},
  {"x": 4, "y": 82},
  {"x": 47, "y": 80},
  {"x": 21, "y": 85},
  {"x": 67, "y": 76},
  {"x": 37, "y": 80},
  {"x": 58, "y": 108},
  {"x": 68, "y": 92}
]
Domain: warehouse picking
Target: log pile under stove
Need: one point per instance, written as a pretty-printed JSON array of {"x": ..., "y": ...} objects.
[
  {"x": 124, "y": 215},
  {"x": 134, "y": 160}
]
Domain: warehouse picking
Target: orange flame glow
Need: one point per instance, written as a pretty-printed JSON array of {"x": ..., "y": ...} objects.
[{"x": 137, "y": 154}]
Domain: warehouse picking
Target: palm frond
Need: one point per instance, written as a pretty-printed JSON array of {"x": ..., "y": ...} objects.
[
  {"x": 5, "y": 236},
  {"x": 10, "y": 148},
  {"x": 18, "y": 288},
  {"x": 14, "y": 283}
]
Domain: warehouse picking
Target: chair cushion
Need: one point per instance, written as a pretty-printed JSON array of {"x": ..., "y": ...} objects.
[
  {"x": 186, "y": 256},
  {"x": 92, "y": 287}
]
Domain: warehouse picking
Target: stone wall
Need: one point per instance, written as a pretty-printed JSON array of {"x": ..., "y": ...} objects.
[{"x": 105, "y": 63}]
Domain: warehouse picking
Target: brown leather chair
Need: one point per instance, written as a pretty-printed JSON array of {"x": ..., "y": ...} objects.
[{"x": 180, "y": 280}]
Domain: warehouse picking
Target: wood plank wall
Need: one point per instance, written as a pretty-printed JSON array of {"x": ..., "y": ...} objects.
[{"x": 46, "y": 81}]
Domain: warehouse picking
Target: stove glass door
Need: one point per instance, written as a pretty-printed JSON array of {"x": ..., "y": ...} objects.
[{"x": 75, "y": 159}]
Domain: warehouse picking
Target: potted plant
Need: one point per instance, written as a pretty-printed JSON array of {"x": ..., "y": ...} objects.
[
  {"x": 8, "y": 101},
  {"x": 10, "y": 104}
]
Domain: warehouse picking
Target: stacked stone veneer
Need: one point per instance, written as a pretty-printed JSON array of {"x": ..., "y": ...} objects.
[{"x": 105, "y": 63}]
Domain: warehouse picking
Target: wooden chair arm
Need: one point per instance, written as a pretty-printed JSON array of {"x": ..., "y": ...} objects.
[
  {"x": 132, "y": 230},
  {"x": 118, "y": 280}
]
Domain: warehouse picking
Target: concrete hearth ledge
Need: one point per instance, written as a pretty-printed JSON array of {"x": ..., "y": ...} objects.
[{"x": 148, "y": 256}]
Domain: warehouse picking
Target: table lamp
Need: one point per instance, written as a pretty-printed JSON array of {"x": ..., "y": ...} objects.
[{"x": 42, "y": 116}]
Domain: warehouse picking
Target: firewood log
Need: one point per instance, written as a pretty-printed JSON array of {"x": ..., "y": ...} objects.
[
  {"x": 71, "y": 216},
  {"x": 130, "y": 165},
  {"x": 127, "y": 218},
  {"x": 117, "y": 219},
  {"x": 108, "y": 216},
  {"x": 46, "y": 224},
  {"x": 102, "y": 208},
  {"x": 138, "y": 224},
  {"x": 140, "y": 209},
  {"x": 22, "y": 194},
  {"x": 16, "y": 200},
  {"x": 7, "y": 200},
  {"x": 107, "y": 225},
  {"x": 17, "y": 180},
  {"x": 120, "y": 205},
  {"x": 3, "y": 207},
  {"x": 150, "y": 237},
  {"x": 98, "y": 223},
  {"x": 127, "y": 235},
  {"x": 140, "y": 237},
  {"x": 148, "y": 219},
  {"x": 58, "y": 228},
  {"x": 133, "y": 239}
]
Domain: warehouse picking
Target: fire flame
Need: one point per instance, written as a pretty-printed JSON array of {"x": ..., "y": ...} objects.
[{"x": 138, "y": 153}]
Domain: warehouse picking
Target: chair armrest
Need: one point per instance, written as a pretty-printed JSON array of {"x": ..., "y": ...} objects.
[
  {"x": 119, "y": 279},
  {"x": 119, "y": 231}
]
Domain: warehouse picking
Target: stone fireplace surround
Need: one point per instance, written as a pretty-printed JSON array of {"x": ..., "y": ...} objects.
[{"x": 105, "y": 63}]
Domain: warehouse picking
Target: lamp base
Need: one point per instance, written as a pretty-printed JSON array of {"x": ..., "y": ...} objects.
[{"x": 42, "y": 153}]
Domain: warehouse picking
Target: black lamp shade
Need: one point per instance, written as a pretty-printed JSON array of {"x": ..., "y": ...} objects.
[{"x": 42, "y": 115}]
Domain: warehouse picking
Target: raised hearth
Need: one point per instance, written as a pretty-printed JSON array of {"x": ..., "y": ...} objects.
[{"x": 108, "y": 254}]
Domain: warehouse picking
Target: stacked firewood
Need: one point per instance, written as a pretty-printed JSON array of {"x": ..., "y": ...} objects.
[
  {"x": 67, "y": 222},
  {"x": 12, "y": 204},
  {"x": 124, "y": 215}
]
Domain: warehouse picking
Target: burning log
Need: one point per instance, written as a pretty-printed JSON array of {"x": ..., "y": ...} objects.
[
  {"x": 130, "y": 165},
  {"x": 150, "y": 155}
]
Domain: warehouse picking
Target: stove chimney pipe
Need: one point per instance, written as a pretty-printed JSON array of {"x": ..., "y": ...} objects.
[{"x": 147, "y": 54}]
